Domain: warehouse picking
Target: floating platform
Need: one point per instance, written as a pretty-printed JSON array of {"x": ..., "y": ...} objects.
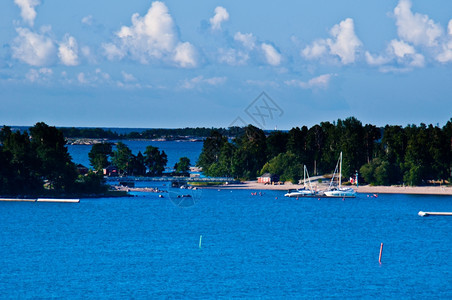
[
  {"x": 427, "y": 213},
  {"x": 17, "y": 200},
  {"x": 58, "y": 200}
]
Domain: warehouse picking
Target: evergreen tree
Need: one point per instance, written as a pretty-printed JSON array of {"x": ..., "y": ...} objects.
[
  {"x": 155, "y": 161},
  {"x": 99, "y": 154}
]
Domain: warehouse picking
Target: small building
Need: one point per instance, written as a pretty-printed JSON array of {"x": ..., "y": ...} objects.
[
  {"x": 110, "y": 171},
  {"x": 82, "y": 170},
  {"x": 268, "y": 178}
]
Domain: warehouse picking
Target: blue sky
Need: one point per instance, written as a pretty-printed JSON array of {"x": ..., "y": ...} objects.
[{"x": 205, "y": 63}]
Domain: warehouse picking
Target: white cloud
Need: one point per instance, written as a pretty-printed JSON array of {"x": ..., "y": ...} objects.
[
  {"x": 233, "y": 57},
  {"x": 416, "y": 28},
  {"x": 185, "y": 55},
  {"x": 27, "y": 10},
  {"x": 128, "y": 77},
  {"x": 247, "y": 39},
  {"x": 316, "y": 50},
  {"x": 41, "y": 74},
  {"x": 272, "y": 56},
  {"x": 33, "y": 48},
  {"x": 376, "y": 60},
  {"x": 221, "y": 15},
  {"x": 344, "y": 43},
  {"x": 400, "y": 48},
  {"x": 150, "y": 38},
  {"x": 406, "y": 54},
  {"x": 113, "y": 52},
  {"x": 401, "y": 52},
  {"x": 88, "y": 20},
  {"x": 82, "y": 78},
  {"x": 320, "y": 82},
  {"x": 68, "y": 51},
  {"x": 445, "y": 54},
  {"x": 200, "y": 80}
]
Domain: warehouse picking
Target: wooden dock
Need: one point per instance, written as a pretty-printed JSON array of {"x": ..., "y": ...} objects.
[{"x": 428, "y": 213}]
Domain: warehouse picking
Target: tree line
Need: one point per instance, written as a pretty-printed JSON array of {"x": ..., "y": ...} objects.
[
  {"x": 39, "y": 164},
  {"x": 410, "y": 155},
  {"x": 155, "y": 133}
]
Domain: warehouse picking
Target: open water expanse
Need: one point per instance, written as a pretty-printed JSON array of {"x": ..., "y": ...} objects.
[{"x": 252, "y": 246}]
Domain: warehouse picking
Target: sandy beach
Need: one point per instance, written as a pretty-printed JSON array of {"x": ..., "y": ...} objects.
[{"x": 366, "y": 189}]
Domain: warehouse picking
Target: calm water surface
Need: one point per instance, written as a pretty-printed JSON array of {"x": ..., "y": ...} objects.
[
  {"x": 253, "y": 246},
  {"x": 174, "y": 150}
]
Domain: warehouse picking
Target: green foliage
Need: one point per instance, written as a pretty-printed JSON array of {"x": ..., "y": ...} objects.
[
  {"x": 211, "y": 150},
  {"x": 122, "y": 158},
  {"x": 91, "y": 183},
  {"x": 38, "y": 164},
  {"x": 384, "y": 156},
  {"x": 155, "y": 161},
  {"x": 377, "y": 172},
  {"x": 55, "y": 163},
  {"x": 99, "y": 154},
  {"x": 286, "y": 165},
  {"x": 183, "y": 165}
]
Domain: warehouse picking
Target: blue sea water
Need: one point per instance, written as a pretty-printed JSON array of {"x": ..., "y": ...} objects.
[
  {"x": 252, "y": 247},
  {"x": 174, "y": 150}
]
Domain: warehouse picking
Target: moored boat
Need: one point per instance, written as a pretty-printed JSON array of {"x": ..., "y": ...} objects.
[{"x": 339, "y": 191}]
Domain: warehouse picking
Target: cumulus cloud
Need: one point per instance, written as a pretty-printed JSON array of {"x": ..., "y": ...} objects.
[
  {"x": 27, "y": 10},
  {"x": 319, "y": 82},
  {"x": 152, "y": 37},
  {"x": 344, "y": 43},
  {"x": 185, "y": 55},
  {"x": 398, "y": 51},
  {"x": 246, "y": 39},
  {"x": 200, "y": 80},
  {"x": 445, "y": 54},
  {"x": 272, "y": 56},
  {"x": 316, "y": 50},
  {"x": 68, "y": 51},
  {"x": 221, "y": 15},
  {"x": 416, "y": 28},
  {"x": 33, "y": 48}
]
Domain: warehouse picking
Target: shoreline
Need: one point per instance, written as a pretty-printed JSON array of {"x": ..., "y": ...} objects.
[{"x": 364, "y": 189}]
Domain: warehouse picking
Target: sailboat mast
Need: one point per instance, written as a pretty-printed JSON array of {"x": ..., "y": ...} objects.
[
  {"x": 304, "y": 175},
  {"x": 340, "y": 170}
]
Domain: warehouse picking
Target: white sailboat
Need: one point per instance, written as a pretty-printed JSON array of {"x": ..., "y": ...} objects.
[
  {"x": 339, "y": 191},
  {"x": 303, "y": 192}
]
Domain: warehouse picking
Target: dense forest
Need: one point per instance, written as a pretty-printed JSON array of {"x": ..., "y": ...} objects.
[
  {"x": 411, "y": 155},
  {"x": 39, "y": 164}
]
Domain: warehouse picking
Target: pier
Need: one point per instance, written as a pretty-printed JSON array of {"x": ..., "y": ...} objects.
[
  {"x": 427, "y": 213},
  {"x": 41, "y": 200}
]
